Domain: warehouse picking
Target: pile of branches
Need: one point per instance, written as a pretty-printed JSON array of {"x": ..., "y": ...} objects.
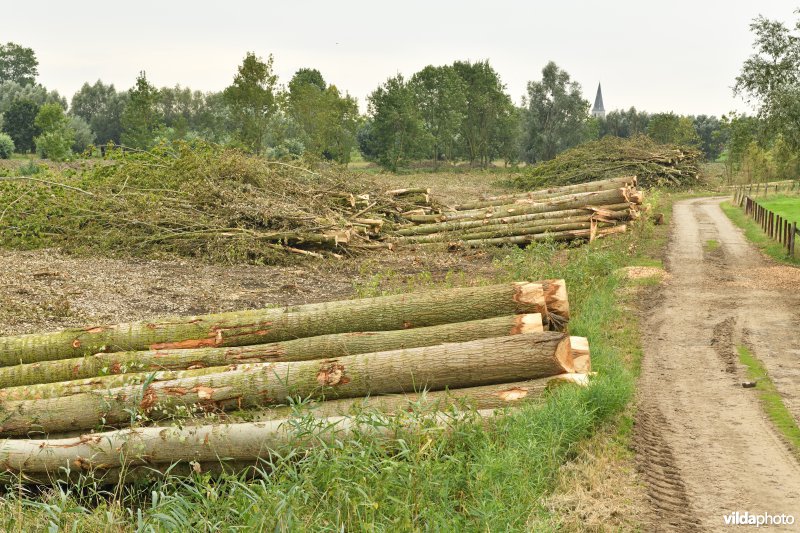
[
  {"x": 136, "y": 399},
  {"x": 654, "y": 164},
  {"x": 198, "y": 200}
]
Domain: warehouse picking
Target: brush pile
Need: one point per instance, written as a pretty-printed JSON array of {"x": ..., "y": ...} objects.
[
  {"x": 213, "y": 389},
  {"x": 198, "y": 200},
  {"x": 654, "y": 164},
  {"x": 573, "y": 212}
]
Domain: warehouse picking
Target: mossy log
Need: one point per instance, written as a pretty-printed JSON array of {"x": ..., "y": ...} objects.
[
  {"x": 574, "y": 201},
  {"x": 623, "y": 211},
  {"x": 259, "y": 326},
  {"x": 455, "y": 365},
  {"x": 110, "y": 370},
  {"x": 552, "y": 192}
]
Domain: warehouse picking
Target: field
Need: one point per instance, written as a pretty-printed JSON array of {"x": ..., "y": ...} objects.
[
  {"x": 507, "y": 475},
  {"x": 786, "y": 206}
]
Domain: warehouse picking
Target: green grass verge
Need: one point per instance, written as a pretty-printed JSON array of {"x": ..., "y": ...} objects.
[
  {"x": 776, "y": 410},
  {"x": 475, "y": 477},
  {"x": 786, "y": 206},
  {"x": 755, "y": 235}
]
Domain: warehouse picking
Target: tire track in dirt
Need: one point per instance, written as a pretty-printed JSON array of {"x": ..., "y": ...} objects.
[{"x": 704, "y": 446}]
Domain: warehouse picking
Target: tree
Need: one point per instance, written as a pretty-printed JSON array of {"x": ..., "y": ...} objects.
[
  {"x": 327, "y": 119},
  {"x": 487, "y": 112},
  {"x": 81, "y": 133},
  {"x": 709, "y": 131},
  {"x": 251, "y": 98},
  {"x": 6, "y": 146},
  {"x": 12, "y": 91},
  {"x": 555, "y": 116},
  {"x": 141, "y": 119},
  {"x": 18, "y": 64},
  {"x": 396, "y": 130},
  {"x": 770, "y": 78},
  {"x": 18, "y": 123},
  {"x": 621, "y": 123},
  {"x": 56, "y": 137},
  {"x": 440, "y": 97},
  {"x": 101, "y": 106},
  {"x": 669, "y": 128}
]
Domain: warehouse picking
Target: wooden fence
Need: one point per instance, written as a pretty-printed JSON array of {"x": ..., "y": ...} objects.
[
  {"x": 762, "y": 189},
  {"x": 774, "y": 225}
]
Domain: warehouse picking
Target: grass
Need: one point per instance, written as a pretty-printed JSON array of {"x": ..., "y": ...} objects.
[
  {"x": 755, "y": 234},
  {"x": 771, "y": 399},
  {"x": 786, "y": 206},
  {"x": 473, "y": 477},
  {"x": 711, "y": 245}
]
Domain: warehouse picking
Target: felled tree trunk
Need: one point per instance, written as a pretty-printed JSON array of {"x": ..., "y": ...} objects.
[
  {"x": 555, "y": 236},
  {"x": 553, "y": 192},
  {"x": 523, "y": 207},
  {"x": 623, "y": 211},
  {"x": 467, "y": 364},
  {"x": 155, "y": 446},
  {"x": 110, "y": 370},
  {"x": 507, "y": 230},
  {"x": 260, "y": 326}
]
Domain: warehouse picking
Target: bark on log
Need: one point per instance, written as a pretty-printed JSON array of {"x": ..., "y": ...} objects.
[
  {"x": 468, "y": 364},
  {"x": 507, "y": 230},
  {"x": 483, "y": 397},
  {"x": 600, "y": 185},
  {"x": 102, "y": 370},
  {"x": 575, "y": 201},
  {"x": 260, "y": 326},
  {"x": 202, "y": 444},
  {"x": 623, "y": 211},
  {"x": 528, "y": 239}
]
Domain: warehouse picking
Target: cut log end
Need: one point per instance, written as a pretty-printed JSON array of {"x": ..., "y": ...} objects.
[
  {"x": 557, "y": 300},
  {"x": 564, "y": 355},
  {"x": 530, "y": 294},
  {"x": 527, "y": 323},
  {"x": 571, "y": 378},
  {"x": 581, "y": 356}
]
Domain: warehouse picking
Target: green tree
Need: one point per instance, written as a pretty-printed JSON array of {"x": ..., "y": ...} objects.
[
  {"x": 18, "y": 64},
  {"x": 396, "y": 130},
  {"x": 141, "y": 119},
  {"x": 19, "y": 124},
  {"x": 711, "y": 136},
  {"x": 6, "y": 146},
  {"x": 555, "y": 116},
  {"x": 328, "y": 120},
  {"x": 251, "y": 98},
  {"x": 770, "y": 78},
  {"x": 669, "y": 128},
  {"x": 487, "y": 112},
  {"x": 12, "y": 91},
  {"x": 56, "y": 137},
  {"x": 440, "y": 96},
  {"x": 81, "y": 133},
  {"x": 621, "y": 123},
  {"x": 101, "y": 106}
]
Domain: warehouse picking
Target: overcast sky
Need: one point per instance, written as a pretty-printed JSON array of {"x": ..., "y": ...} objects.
[{"x": 678, "y": 55}]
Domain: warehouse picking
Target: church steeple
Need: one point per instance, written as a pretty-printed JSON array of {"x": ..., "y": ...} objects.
[{"x": 598, "y": 110}]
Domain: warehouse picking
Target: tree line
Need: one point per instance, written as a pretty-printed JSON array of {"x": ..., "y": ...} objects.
[{"x": 441, "y": 115}]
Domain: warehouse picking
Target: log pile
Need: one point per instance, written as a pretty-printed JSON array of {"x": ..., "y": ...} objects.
[
  {"x": 575, "y": 212},
  {"x": 192, "y": 390}
]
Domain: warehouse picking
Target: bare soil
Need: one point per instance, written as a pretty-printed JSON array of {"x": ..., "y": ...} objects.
[
  {"x": 47, "y": 290},
  {"x": 704, "y": 445}
]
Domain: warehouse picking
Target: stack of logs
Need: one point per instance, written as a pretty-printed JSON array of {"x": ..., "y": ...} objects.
[
  {"x": 583, "y": 211},
  {"x": 199, "y": 393}
]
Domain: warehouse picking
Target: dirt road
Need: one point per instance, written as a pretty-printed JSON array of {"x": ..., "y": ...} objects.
[{"x": 704, "y": 446}]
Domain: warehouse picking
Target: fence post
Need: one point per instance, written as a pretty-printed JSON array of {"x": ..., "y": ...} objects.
[{"x": 794, "y": 235}]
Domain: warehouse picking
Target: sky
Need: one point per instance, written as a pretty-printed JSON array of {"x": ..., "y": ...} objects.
[{"x": 680, "y": 56}]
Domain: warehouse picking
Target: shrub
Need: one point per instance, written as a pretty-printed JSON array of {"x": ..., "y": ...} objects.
[{"x": 6, "y": 146}]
